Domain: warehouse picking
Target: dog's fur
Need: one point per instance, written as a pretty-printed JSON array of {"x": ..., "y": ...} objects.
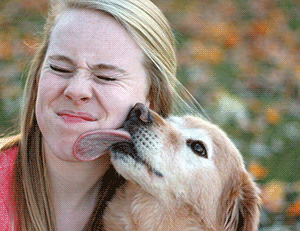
[{"x": 170, "y": 187}]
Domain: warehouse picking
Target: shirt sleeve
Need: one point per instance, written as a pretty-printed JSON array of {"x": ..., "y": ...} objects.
[{"x": 7, "y": 160}]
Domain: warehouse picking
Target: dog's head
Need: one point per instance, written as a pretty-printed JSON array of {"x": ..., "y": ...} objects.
[{"x": 190, "y": 162}]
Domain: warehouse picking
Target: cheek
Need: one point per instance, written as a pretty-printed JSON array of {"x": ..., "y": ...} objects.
[
  {"x": 141, "y": 92},
  {"x": 117, "y": 102},
  {"x": 48, "y": 90},
  {"x": 122, "y": 98},
  {"x": 141, "y": 96},
  {"x": 42, "y": 95}
]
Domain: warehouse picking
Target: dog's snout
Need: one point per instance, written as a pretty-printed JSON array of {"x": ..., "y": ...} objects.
[{"x": 142, "y": 113}]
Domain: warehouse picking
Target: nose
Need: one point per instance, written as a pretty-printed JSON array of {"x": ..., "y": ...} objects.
[
  {"x": 78, "y": 90},
  {"x": 140, "y": 113}
]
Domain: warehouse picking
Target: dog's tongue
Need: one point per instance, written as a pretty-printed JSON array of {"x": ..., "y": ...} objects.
[{"x": 91, "y": 145}]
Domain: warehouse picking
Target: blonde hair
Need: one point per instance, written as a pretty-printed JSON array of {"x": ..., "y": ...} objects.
[{"x": 150, "y": 29}]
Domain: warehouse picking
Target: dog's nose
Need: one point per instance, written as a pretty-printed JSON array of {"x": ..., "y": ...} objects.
[{"x": 141, "y": 112}]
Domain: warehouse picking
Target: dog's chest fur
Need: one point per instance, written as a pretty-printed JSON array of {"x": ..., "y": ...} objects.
[{"x": 136, "y": 210}]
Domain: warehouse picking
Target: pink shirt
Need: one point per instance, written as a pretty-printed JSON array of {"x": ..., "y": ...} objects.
[{"x": 7, "y": 160}]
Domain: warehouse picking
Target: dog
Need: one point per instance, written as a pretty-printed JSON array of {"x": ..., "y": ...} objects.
[{"x": 183, "y": 173}]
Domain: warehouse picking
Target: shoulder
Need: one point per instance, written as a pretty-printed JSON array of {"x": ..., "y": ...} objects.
[
  {"x": 8, "y": 154},
  {"x": 8, "y": 151},
  {"x": 9, "y": 142},
  {"x": 7, "y": 158}
]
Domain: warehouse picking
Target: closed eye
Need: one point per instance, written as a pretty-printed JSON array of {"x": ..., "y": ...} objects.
[
  {"x": 59, "y": 69},
  {"x": 197, "y": 147},
  {"x": 105, "y": 78}
]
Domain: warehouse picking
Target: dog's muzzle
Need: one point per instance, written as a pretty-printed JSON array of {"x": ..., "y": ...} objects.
[{"x": 138, "y": 123}]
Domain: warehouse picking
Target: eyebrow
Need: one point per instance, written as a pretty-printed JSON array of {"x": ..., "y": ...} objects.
[
  {"x": 101, "y": 66},
  {"x": 62, "y": 58}
]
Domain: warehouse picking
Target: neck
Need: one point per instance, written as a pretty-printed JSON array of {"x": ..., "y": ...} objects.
[
  {"x": 71, "y": 180},
  {"x": 74, "y": 189}
]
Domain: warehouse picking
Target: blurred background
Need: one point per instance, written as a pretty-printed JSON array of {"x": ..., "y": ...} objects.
[{"x": 241, "y": 61}]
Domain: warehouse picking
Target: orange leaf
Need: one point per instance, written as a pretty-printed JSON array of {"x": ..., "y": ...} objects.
[
  {"x": 273, "y": 116},
  {"x": 273, "y": 196},
  {"x": 258, "y": 170},
  {"x": 5, "y": 50},
  {"x": 294, "y": 209}
]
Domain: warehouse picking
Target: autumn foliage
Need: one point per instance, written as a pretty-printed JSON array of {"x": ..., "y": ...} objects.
[{"x": 240, "y": 59}]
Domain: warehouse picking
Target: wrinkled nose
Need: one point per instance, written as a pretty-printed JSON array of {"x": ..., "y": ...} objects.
[
  {"x": 140, "y": 113},
  {"x": 78, "y": 90}
]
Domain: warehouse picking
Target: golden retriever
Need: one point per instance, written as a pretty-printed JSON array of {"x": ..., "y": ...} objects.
[{"x": 183, "y": 173}]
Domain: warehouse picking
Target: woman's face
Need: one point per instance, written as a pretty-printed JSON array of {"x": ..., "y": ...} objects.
[{"x": 91, "y": 77}]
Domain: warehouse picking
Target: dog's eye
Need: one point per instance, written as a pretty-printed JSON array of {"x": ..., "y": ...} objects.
[{"x": 197, "y": 147}]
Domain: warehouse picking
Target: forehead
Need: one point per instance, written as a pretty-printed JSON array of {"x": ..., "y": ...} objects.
[
  {"x": 93, "y": 34},
  {"x": 190, "y": 130}
]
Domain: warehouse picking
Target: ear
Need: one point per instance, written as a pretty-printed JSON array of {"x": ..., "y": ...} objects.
[{"x": 240, "y": 204}]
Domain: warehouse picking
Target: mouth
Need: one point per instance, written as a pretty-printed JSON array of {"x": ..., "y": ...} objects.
[
  {"x": 76, "y": 117},
  {"x": 123, "y": 149}
]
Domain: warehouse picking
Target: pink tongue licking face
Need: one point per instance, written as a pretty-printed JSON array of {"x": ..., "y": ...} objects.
[{"x": 91, "y": 145}]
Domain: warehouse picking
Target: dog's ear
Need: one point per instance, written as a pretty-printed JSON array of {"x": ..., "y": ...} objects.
[{"x": 240, "y": 203}]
